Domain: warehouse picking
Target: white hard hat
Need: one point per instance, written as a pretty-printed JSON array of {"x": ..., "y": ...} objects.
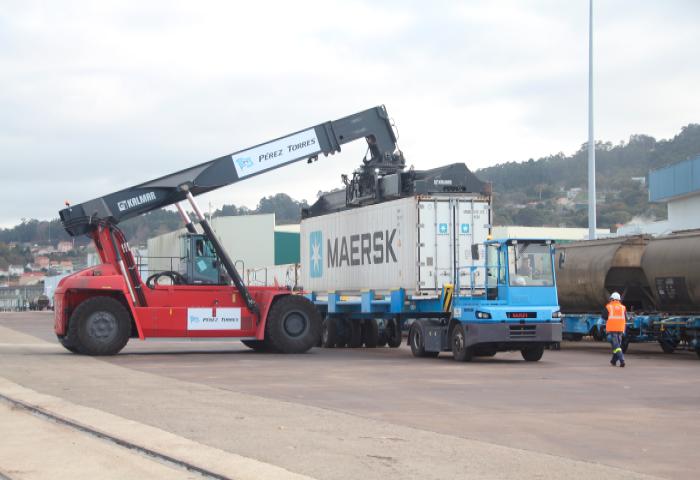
[{"x": 615, "y": 296}]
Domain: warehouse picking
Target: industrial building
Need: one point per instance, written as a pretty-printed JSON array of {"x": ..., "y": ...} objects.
[
  {"x": 263, "y": 245},
  {"x": 678, "y": 186}
]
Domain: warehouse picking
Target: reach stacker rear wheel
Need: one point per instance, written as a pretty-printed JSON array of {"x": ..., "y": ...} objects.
[{"x": 293, "y": 324}]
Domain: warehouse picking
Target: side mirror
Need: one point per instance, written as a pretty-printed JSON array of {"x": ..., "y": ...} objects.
[{"x": 475, "y": 251}]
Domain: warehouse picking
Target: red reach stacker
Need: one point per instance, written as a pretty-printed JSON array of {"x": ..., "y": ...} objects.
[{"x": 97, "y": 310}]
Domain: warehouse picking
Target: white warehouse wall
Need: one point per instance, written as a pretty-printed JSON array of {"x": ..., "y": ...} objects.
[
  {"x": 683, "y": 214},
  {"x": 248, "y": 238}
]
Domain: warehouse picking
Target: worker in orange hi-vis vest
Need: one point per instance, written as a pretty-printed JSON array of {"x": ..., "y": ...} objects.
[{"x": 615, "y": 315}]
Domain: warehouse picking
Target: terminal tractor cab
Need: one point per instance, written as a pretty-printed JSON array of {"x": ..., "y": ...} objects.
[{"x": 97, "y": 310}]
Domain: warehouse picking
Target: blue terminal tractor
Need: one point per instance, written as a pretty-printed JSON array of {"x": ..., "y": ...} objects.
[{"x": 514, "y": 309}]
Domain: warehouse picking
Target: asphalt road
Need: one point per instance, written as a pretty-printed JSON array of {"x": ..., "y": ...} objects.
[{"x": 380, "y": 413}]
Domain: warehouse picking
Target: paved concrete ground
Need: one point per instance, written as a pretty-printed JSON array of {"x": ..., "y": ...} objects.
[
  {"x": 383, "y": 414},
  {"x": 33, "y": 448}
]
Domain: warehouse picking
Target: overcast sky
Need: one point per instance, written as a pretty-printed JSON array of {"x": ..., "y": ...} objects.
[{"x": 98, "y": 96}]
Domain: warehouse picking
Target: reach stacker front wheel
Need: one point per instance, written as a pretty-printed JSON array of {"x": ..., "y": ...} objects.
[
  {"x": 98, "y": 326},
  {"x": 256, "y": 345},
  {"x": 293, "y": 325}
]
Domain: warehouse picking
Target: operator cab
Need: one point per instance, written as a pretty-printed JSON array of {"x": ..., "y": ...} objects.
[
  {"x": 198, "y": 261},
  {"x": 515, "y": 266}
]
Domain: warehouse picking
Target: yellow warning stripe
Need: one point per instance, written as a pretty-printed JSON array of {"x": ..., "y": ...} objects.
[{"x": 447, "y": 292}]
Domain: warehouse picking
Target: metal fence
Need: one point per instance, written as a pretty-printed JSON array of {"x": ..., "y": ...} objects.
[{"x": 19, "y": 298}]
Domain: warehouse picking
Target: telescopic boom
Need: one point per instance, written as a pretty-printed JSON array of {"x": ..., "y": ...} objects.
[{"x": 326, "y": 138}]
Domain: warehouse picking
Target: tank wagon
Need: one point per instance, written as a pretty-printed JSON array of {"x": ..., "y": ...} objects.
[{"x": 658, "y": 278}]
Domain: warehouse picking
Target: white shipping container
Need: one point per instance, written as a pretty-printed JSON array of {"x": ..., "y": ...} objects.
[{"x": 414, "y": 243}]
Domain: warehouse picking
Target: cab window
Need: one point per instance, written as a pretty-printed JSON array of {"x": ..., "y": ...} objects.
[{"x": 530, "y": 264}]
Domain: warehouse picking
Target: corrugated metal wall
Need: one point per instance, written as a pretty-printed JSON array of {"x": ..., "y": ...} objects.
[{"x": 676, "y": 180}]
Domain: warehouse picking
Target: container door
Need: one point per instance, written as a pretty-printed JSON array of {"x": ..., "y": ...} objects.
[
  {"x": 435, "y": 244},
  {"x": 471, "y": 227}
]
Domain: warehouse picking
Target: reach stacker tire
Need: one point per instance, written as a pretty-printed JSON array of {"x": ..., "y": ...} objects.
[
  {"x": 67, "y": 343},
  {"x": 99, "y": 326},
  {"x": 416, "y": 339},
  {"x": 293, "y": 324},
  {"x": 532, "y": 354},
  {"x": 257, "y": 345},
  {"x": 460, "y": 351}
]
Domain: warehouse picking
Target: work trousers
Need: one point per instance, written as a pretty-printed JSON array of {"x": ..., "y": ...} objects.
[{"x": 615, "y": 339}]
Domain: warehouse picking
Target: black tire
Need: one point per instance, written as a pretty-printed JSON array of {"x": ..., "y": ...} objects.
[
  {"x": 257, "y": 345},
  {"x": 416, "y": 339},
  {"x": 99, "y": 326},
  {"x": 355, "y": 333},
  {"x": 697, "y": 351},
  {"x": 393, "y": 333},
  {"x": 625, "y": 344},
  {"x": 329, "y": 333},
  {"x": 460, "y": 351},
  {"x": 667, "y": 347},
  {"x": 532, "y": 354},
  {"x": 597, "y": 334},
  {"x": 381, "y": 340},
  {"x": 67, "y": 344},
  {"x": 667, "y": 342},
  {"x": 485, "y": 351},
  {"x": 370, "y": 333},
  {"x": 342, "y": 338},
  {"x": 293, "y": 324}
]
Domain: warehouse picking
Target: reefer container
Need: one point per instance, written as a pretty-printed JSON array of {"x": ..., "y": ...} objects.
[{"x": 416, "y": 243}]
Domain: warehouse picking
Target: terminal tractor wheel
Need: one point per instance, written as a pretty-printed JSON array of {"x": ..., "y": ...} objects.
[
  {"x": 532, "y": 354},
  {"x": 416, "y": 339}
]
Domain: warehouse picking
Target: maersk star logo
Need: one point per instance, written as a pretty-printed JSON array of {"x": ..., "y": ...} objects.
[{"x": 316, "y": 254}]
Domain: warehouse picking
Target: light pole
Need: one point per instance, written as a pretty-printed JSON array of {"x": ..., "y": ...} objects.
[{"x": 591, "y": 140}]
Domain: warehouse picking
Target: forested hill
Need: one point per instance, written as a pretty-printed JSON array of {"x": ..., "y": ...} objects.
[
  {"x": 544, "y": 191},
  {"x": 548, "y": 191},
  {"x": 157, "y": 222}
]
